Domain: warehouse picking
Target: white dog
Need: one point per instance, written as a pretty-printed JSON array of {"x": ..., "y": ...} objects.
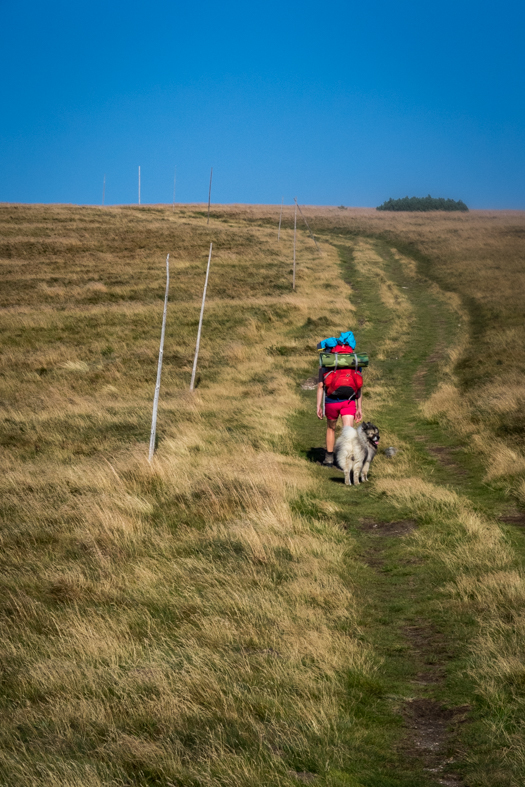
[{"x": 355, "y": 449}]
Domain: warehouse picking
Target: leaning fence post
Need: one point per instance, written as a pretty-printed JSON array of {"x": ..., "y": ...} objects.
[
  {"x": 209, "y": 196},
  {"x": 200, "y": 324},
  {"x": 159, "y": 367},
  {"x": 294, "y": 237},
  {"x": 280, "y": 217},
  {"x": 304, "y": 219}
]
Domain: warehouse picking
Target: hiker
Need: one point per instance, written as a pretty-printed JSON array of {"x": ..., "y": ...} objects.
[{"x": 345, "y": 400}]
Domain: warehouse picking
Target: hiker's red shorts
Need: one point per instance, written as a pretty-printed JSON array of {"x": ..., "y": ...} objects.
[{"x": 333, "y": 410}]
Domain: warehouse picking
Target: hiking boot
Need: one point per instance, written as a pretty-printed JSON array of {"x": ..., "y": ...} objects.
[{"x": 328, "y": 460}]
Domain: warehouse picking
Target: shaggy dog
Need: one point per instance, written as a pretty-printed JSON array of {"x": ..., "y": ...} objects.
[{"x": 355, "y": 449}]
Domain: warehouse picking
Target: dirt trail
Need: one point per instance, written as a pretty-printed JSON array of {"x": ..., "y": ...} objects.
[
  {"x": 429, "y": 725},
  {"x": 407, "y": 327}
]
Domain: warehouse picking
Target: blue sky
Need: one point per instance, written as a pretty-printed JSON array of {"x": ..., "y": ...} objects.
[{"x": 339, "y": 103}]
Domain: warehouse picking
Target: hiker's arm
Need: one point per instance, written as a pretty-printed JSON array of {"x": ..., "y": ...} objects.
[
  {"x": 320, "y": 400},
  {"x": 358, "y": 409}
]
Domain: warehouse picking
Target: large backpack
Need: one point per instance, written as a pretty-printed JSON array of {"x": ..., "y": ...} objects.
[
  {"x": 340, "y": 353},
  {"x": 343, "y": 378}
]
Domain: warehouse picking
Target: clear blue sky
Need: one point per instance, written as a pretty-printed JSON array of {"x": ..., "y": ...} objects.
[{"x": 337, "y": 103}]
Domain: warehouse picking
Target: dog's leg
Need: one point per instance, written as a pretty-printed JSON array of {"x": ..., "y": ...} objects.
[
  {"x": 348, "y": 465},
  {"x": 357, "y": 471},
  {"x": 364, "y": 471}
]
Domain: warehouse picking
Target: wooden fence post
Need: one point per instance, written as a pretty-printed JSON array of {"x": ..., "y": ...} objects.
[
  {"x": 294, "y": 238},
  {"x": 309, "y": 230},
  {"x": 280, "y": 217},
  {"x": 209, "y": 196},
  {"x": 192, "y": 383},
  {"x": 159, "y": 367}
]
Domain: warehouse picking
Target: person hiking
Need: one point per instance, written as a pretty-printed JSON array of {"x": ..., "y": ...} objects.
[{"x": 344, "y": 399}]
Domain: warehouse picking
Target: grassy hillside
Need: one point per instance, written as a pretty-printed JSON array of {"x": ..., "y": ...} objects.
[
  {"x": 232, "y": 614},
  {"x": 479, "y": 256}
]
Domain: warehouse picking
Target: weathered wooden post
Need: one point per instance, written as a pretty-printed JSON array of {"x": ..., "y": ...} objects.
[
  {"x": 280, "y": 217},
  {"x": 294, "y": 241},
  {"x": 309, "y": 230},
  {"x": 192, "y": 383},
  {"x": 159, "y": 367},
  {"x": 209, "y": 196}
]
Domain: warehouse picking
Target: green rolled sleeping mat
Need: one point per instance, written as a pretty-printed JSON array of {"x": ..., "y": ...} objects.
[{"x": 343, "y": 360}]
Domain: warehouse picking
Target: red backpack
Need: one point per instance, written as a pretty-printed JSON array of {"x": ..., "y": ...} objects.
[{"x": 343, "y": 378}]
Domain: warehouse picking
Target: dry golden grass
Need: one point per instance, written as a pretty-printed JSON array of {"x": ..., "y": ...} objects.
[
  {"x": 477, "y": 255},
  {"x": 174, "y": 622},
  {"x": 477, "y": 263},
  {"x": 182, "y": 623},
  {"x": 501, "y": 460}
]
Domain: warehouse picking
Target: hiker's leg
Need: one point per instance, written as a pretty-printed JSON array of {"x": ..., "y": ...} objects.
[
  {"x": 330, "y": 435},
  {"x": 332, "y": 414},
  {"x": 348, "y": 413}
]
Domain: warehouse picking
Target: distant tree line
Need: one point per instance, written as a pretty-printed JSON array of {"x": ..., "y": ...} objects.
[{"x": 422, "y": 204}]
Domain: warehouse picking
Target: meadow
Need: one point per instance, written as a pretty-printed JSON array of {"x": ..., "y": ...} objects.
[{"x": 228, "y": 615}]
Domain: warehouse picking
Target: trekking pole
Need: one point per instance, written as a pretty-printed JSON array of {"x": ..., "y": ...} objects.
[
  {"x": 324, "y": 394},
  {"x": 200, "y": 324},
  {"x": 309, "y": 230},
  {"x": 159, "y": 367},
  {"x": 280, "y": 217}
]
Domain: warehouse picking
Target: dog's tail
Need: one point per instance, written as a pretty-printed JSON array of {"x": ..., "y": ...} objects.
[{"x": 348, "y": 430}]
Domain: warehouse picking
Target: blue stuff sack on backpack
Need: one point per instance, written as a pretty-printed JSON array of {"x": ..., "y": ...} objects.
[{"x": 346, "y": 337}]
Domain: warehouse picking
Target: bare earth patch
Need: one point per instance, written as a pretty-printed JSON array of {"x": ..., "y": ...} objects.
[
  {"x": 445, "y": 457},
  {"x": 374, "y": 557},
  {"x": 389, "y": 529},
  {"x": 430, "y": 648},
  {"x": 429, "y": 726},
  {"x": 514, "y": 518}
]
